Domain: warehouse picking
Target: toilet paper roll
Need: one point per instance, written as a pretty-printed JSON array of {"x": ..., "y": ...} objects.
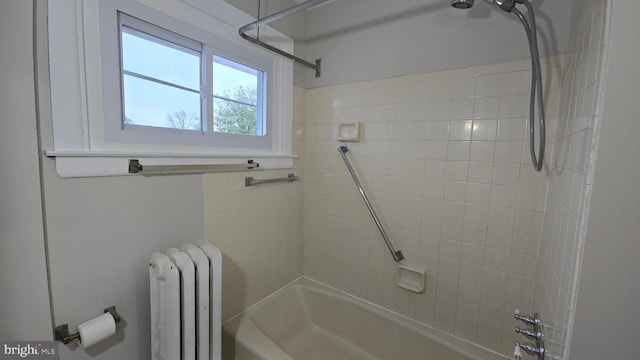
[{"x": 96, "y": 329}]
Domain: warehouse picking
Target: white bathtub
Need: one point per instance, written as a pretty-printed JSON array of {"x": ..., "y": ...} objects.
[{"x": 309, "y": 321}]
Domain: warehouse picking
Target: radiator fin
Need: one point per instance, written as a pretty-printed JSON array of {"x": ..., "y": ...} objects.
[{"x": 185, "y": 289}]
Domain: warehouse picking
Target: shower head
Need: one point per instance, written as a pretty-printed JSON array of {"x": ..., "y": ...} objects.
[
  {"x": 462, "y": 4},
  {"x": 506, "y": 5}
]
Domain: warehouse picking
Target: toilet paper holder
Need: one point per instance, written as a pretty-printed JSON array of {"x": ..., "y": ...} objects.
[{"x": 61, "y": 332}]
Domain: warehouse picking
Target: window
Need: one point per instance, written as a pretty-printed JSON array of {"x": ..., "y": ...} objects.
[
  {"x": 160, "y": 80},
  {"x": 165, "y": 85},
  {"x": 166, "y": 82},
  {"x": 238, "y": 106}
]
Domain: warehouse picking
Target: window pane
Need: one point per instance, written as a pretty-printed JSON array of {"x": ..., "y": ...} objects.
[
  {"x": 234, "y": 118},
  {"x": 237, "y": 103},
  {"x": 148, "y": 103},
  {"x": 159, "y": 59}
]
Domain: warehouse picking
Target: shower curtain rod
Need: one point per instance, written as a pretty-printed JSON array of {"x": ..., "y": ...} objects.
[{"x": 280, "y": 14}]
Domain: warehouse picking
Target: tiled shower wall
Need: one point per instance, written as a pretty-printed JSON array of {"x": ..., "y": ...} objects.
[
  {"x": 570, "y": 179},
  {"x": 444, "y": 157},
  {"x": 258, "y": 229}
]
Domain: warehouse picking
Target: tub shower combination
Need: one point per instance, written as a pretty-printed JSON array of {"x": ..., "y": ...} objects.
[{"x": 308, "y": 320}]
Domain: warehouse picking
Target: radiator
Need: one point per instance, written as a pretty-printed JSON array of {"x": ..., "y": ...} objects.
[{"x": 185, "y": 298}]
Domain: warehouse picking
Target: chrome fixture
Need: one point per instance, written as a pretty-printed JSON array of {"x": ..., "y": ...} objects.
[
  {"x": 279, "y": 15},
  {"x": 397, "y": 255},
  {"x": 61, "y": 333},
  {"x": 533, "y": 321},
  {"x": 531, "y": 349},
  {"x": 535, "y": 334},
  {"x": 462, "y": 4},
  {"x": 135, "y": 167},
  {"x": 531, "y": 334},
  {"x": 250, "y": 181},
  {"x": 536, "y": 72}
]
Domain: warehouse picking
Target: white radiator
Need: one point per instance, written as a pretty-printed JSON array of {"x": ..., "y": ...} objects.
[{"x": 186, "y": 307}]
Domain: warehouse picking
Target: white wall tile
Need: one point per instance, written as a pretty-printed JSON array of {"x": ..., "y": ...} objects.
[
  {"x": 495, "y": 280},
  {"x": 457, "y": 171},
  {"x": 509, "y": 151},
  {"x": 452, "y": 159},
  {"x": 482, "y": 151},
  {"x": 488, "y": 85},
  {"x": 560, "y": 240},
  {"x": 497, "y": 260},
  {"x": 474, "y": 234},
  {"x": 506, "y": 174},
  {"x": 452, "y": 230},
  {"x": 461, "y": 109},
  {"x": 500, "y": 239},
  {"x": 458, "y": 150},
  {"x": 455, "y": 191},
  {"x": 439, "y": 110},
  {"x": 460, "y": 129},
  {"x": 478, "y": 193},
  {"x": 484, "y": 129},
  {"x": 453, "y": 210},
  {"x": 486, "y": 108},
  {"x": 492, "y": 299},
  {"x": 471, "y": 274},
  {"x": 480, "y": 172},
  {"x": 450, "y": 249},
  {"x": 472, "y": 254}
]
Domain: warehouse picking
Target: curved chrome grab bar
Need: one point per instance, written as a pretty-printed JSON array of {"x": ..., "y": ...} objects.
[
  {"x": 273, "y": 17},
  {"x": 397, "y": 255}
]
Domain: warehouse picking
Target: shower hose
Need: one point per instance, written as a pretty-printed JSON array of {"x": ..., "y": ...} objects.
[{"x": 536, "y": 86}]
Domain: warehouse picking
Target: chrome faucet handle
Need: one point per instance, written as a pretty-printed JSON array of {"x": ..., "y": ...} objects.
[
  {"x": 533, "y": 349},
  {"x": 531, "y": 334},
  {"x": 533, "y": 321}
]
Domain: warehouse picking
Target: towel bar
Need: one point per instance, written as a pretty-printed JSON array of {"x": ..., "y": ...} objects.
[{"x": 250, "y": 181}]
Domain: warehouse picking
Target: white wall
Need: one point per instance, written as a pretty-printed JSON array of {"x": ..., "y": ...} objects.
[
  {"x": 587, "y": 288},
  {"x": 101, "y": 232},
  {"x": 607, "y": 320},
  {"x": 24, "y": 298},
  {"x": 571, "y": 175},
  {"x": 361, "y": 40}
]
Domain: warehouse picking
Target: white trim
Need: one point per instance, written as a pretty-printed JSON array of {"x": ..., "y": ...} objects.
[
  {"x": 77, "y": 88},
  {"x": 85, "y": 164}
]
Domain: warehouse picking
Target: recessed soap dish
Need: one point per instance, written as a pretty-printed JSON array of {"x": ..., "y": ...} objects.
[
  {"x": 349, "y": 132},
  {"x": 411, "y": 279}
]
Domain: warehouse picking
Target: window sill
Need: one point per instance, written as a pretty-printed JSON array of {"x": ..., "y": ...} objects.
[{"x": 73, "y": 164}]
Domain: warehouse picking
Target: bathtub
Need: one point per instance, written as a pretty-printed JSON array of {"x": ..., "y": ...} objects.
[{"x": 309, "y": 321}]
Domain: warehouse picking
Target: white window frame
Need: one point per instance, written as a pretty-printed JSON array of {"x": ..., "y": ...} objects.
[
  {"x": 124, "y": 20},
  {"x": 85, "y": 94}
]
